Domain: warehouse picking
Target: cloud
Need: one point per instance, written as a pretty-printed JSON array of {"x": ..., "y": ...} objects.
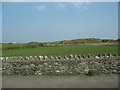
[
  {"x": 78, "y": 5},
  {"x": 61, "y": 5},
  {"x": 40, "y": 8},
  {"x": 83, "y": 5}
]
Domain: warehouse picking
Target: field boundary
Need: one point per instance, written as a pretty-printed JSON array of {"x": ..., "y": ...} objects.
[
  {"x": 66, "y": 57},
  {"x": 74, "y": 65}
]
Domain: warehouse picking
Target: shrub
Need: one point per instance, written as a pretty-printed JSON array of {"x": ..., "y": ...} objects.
[
  {"x": 41, "y": 44},
  {"x": 93, "y": 73}
]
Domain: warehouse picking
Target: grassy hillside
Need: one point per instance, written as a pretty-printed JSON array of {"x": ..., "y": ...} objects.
[
  {"x": 59, "y": 43},
  {"x": 87, "y": 41}
]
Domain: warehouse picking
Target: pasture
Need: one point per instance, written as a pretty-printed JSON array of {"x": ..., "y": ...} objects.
[{"x": 62, "y": 50}]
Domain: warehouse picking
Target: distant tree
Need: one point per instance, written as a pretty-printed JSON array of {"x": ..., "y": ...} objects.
[
  {"x": 41, "y": 44},
  {"x": 10, "y": 43},
  {"x": 61, "y": 42},
  {"x": 105, "y": 40}
]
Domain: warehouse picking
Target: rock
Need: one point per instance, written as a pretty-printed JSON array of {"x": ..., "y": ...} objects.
[{"x": 57, "y": 71}]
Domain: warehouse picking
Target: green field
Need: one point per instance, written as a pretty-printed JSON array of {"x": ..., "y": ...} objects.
[{"x": 62, "y": 50}]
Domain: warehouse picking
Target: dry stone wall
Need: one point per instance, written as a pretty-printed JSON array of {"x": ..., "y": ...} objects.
[{"x": 73, "y": 64}]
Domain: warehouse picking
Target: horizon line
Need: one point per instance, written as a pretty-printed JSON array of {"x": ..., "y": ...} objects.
[{"x": 60, "y": 40}]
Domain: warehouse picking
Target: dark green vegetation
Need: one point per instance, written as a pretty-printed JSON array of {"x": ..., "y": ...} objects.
[
  {"x": 93, "y": 73},
  {"x": 21, "y": 45}
]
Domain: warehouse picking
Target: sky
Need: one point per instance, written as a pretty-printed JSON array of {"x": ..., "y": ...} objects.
[{"x": 56, "y": 21}]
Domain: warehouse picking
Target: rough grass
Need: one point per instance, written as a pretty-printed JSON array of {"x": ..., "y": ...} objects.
[{"x": 62, "y": 50}]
